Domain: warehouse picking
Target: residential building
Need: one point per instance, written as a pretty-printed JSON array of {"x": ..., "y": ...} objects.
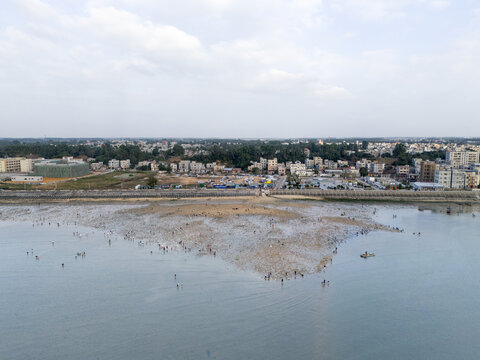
[
  {"x": 125, "y": 164},
  {"x": 197, "y": 167},
  {"x": 310, "y": 163},
  {"x": 264, "y": 164},
  {"x": 403, "y": 170},
  {"x": 218, "y": 168},
  {"x": 10, "y": 164},
  {"x": 376, "y": 168},
  {"x": 184, "y": 166},
  {"x": 26, "y": 165},
  {"x": 461, "y": 158},
  {"x": 417, "y": 163},
  {"x": 472, "y": 179},
  {"x": 272, "y": 165},
  {"x": 427, "y": 171},
  {"x": 298, "y": 169},
  {"x": 363, "y": 163},
  {"x": 113, "y": 164},
  {"x": 451, "y": 178}
]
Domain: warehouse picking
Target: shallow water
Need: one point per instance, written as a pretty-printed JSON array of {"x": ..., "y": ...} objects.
[{"x": 418, "y": 298}]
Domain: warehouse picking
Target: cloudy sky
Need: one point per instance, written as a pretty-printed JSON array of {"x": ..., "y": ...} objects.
[{"x": 239, "y": 68}]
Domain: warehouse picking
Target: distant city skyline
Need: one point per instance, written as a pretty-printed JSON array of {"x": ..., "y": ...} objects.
[{"x": 239, "y": 69}]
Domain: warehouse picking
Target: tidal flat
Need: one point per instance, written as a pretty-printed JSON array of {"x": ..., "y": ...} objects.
[{"x": 275, "y": 237}]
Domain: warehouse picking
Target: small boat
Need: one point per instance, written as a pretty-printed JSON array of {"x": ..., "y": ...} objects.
[{"x": 366, "y": 255}]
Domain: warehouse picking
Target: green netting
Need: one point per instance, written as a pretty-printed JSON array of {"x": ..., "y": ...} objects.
[{"x": 60, "y": 170}]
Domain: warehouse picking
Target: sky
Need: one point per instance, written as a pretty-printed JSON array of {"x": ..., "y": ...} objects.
[{"x": 239, "y": 68}]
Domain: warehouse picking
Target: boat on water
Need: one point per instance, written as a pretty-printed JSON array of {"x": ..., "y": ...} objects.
[{"x": 366, "y": 255}]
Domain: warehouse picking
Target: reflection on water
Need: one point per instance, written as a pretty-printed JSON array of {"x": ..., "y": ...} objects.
[
  {"x": 450, "y": 208},
  {"x": 416, "y": 299}
]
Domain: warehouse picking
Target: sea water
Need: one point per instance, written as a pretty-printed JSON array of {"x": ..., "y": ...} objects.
[{"x": 418, "y": 298}]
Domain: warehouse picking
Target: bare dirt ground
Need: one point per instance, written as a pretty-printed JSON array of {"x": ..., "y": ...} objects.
[{"x": 262, "y": 234}]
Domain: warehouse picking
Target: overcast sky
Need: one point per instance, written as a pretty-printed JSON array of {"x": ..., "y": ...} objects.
[{"x": 239, "y": 68}]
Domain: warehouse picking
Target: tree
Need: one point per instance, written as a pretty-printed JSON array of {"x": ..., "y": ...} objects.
[
  {"x": 363, "y": 171},
  {"x": 177, "y": 150},
  {"x": 364, "y": 145},
  {"x": 152, "y": 181},
  {"x": 256, "y": 171},
  {"x": 400, "y": 150}
]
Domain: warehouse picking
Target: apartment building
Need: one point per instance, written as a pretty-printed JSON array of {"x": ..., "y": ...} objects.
[
  {"x": 113, "y": 164},
  {"x": 184, "y": 166},
  {"x": 403, "y": 170},
  {"x": 376, "y": 168},
  {"x": 197, "y": 167},
  {"x": 462, "y": 158},
  {"x": 15, "y": 165},
  {"x": 272, "y": 165},
  {"x": 298, "y": 168},
  {"x": 263, "y": 163},
  {"x": 363, "y": 163},
  {"x": 451, "y": 178},
  {"x": 427, "y": 171}
]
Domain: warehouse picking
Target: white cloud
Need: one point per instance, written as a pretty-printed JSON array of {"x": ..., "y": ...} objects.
[
  {"x": 200, "y": 62},
  {"x": 380, "y": 9}
]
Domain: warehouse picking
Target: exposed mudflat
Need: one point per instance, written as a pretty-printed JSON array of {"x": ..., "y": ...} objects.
[{"x": 264, "y": 235}]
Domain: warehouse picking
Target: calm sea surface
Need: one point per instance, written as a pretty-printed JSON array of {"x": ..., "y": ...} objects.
[{"x": 418, "y": 298}]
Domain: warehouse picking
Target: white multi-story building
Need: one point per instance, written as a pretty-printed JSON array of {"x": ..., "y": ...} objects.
[
  {"x": 184, "y": 166},
  {"x": 197, "y": 167},
  {"x": 113, "y": 164},
  {"x": 417, "y": 162},
  {"x": 26, "y": 165},
  {"x": 450, "y": 178},
  {"x": 376, "y": 168},
  {"x": 298, "y": 169},
  {"x": 363, "y": 163},
  {"x": 462, "y": 158},
  {"x": 264, "y": 163}
]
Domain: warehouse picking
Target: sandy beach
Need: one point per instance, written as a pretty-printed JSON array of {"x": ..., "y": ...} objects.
[{"x": 266, "y": 235}]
